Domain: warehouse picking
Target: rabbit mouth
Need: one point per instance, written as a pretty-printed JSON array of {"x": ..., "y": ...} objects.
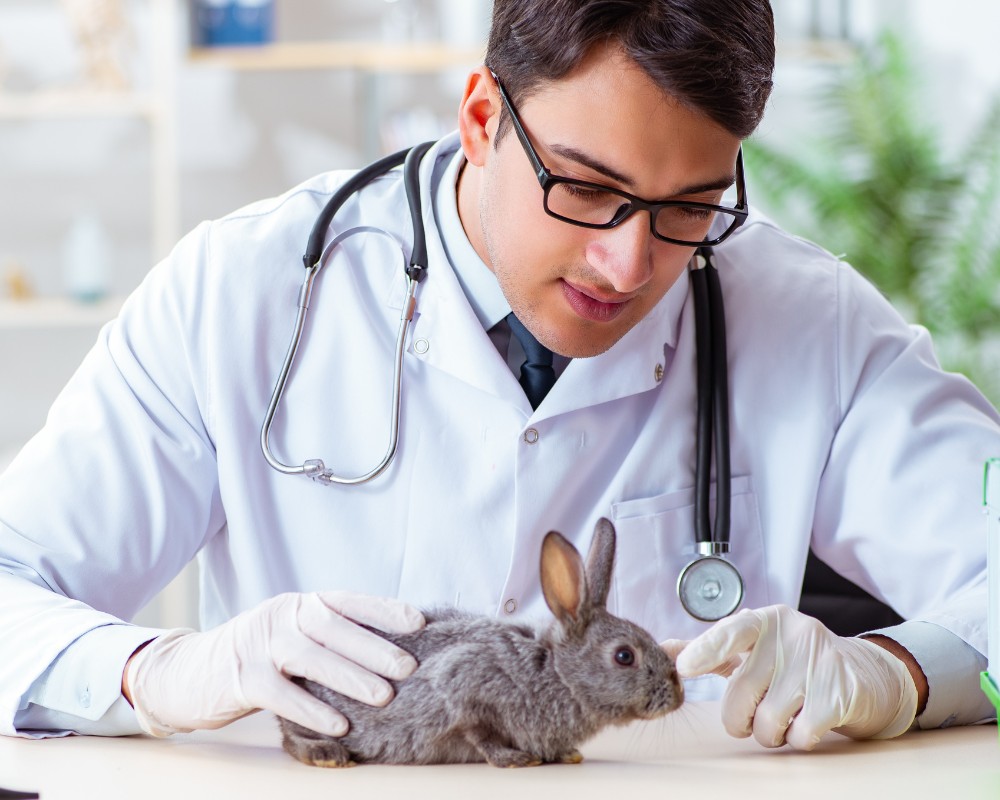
[
  {"x": 668, "y": 699},
  {"x": 654, "y": 711}
]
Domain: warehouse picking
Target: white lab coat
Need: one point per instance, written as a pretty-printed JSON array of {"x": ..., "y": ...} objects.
[{"x": 845, "y": 434}]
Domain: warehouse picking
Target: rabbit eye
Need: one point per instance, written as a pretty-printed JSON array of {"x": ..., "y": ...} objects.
[{"x": 625, "y": 656}]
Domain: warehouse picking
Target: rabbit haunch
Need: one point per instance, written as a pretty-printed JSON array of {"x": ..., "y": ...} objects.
[{"x": 509, "y": 694}]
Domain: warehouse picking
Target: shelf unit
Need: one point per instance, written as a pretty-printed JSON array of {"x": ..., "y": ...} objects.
[
  {"x": 47, "y": 313},
  {"x": 371, "y": 60},
  {"x": 53, "y": 104},
  {"x": 373, "y": 56},
  {"x": 155, "y": 106}
]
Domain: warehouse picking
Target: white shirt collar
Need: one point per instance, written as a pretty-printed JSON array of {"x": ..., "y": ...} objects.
[{"x": 476, "y": 279}]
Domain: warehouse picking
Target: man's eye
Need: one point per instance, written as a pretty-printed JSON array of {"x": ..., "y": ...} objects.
[
  {"x": 693, "y": 213},
  {"x": 584, "y": 192}
]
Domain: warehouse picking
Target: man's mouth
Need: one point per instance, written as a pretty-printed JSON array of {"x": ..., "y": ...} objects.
[{"x": 592, "y": 304}]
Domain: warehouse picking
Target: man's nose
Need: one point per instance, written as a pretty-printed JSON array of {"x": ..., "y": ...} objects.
[{"x": 623, "y": 254}]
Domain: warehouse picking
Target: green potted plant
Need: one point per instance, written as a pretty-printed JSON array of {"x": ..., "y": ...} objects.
[{"x": 879, "y": 187}]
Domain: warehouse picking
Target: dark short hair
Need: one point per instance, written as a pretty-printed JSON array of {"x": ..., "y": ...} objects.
[{"x": 715, "y": 56}]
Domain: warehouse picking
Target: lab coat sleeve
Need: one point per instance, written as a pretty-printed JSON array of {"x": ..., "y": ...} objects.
[
  {"x": 109, "y": 501},
  {"x": 947, "y": 663},
  {"x": 64, "y": 697},
  {"x": 899, "y": 505}
]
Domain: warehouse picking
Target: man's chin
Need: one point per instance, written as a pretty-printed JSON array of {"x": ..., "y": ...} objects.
[{"x": 587, "y": 346}]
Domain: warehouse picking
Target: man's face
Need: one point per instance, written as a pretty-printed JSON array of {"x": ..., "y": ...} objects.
[{"x": 580, "y": 290}]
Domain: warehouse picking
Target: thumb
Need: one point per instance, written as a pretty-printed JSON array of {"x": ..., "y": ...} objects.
[{"x": 720, "y": 649}]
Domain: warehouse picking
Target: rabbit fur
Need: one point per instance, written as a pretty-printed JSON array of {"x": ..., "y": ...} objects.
[{"x": 509, "y": 694}]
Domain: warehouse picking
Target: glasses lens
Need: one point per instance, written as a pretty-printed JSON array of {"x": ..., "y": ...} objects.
[
  {"x": 584, "y": 204},
  {"x": 687, "y": 223},
  {"x": 693, "y": 223}
]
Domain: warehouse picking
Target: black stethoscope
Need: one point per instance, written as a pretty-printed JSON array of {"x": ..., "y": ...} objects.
[{"x": 709, "y": 587}]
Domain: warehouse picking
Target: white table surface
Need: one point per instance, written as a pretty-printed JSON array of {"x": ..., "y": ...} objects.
[{"x": 685, "y": 756}]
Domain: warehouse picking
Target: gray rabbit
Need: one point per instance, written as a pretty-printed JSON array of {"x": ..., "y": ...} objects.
[{"x": 488, "y": 690}]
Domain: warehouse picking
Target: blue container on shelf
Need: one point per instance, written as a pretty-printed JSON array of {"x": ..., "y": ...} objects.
[
  {"x": 990, "y": 680},
  {"x": 232, "y": 22}
]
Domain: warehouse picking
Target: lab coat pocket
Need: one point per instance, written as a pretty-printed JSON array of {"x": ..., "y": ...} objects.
[{"x": 656, "y": 541}]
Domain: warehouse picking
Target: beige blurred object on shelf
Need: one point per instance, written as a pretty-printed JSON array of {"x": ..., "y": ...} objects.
[
  {"x": 17, "y": 285},
  {"x": 104, "y": 35}
]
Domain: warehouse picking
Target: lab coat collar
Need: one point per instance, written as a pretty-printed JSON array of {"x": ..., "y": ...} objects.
[
  {"x": 636, "y": 363},
  {"x": 447, "y": 335}
]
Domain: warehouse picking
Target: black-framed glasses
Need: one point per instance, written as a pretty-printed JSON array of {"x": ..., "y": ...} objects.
[{"x": 594, "y": 205}]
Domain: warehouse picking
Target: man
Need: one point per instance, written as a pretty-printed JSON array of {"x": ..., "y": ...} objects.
[{"x": 846, "y": 436}]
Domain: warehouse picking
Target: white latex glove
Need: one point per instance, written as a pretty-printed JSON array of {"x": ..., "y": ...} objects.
[
  {"x": 792, "y": 680},
  {"x": 186, "y": 680}
]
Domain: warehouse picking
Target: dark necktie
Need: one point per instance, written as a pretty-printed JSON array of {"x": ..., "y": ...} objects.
[{"x": 537, "y": 374}]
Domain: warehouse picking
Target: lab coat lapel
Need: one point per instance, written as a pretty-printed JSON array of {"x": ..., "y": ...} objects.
[
  {"x": 451, "y": 337},
  {"x": 635, "y": 364}
]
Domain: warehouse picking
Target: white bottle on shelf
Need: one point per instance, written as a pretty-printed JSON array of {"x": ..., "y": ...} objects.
[{"x": 87, "y": 260}]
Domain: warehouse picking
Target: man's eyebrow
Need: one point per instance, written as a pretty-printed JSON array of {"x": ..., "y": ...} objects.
[
  {"x": 596, "y": 165},
  {"x": 591, "y": 163}
]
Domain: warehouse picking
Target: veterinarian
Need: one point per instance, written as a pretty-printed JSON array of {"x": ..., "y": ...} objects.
[{"x": 845, "y": 435}]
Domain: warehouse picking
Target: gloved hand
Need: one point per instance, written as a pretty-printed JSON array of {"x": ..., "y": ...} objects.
[
  {"x": 792, "y": 679},
  {"x": 186, "y": 680}
]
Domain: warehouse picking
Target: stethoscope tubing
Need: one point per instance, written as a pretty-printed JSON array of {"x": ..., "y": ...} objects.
[{"x": 712, "y": 411}]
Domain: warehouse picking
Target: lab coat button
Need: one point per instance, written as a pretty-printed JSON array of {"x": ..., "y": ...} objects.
[
  {"x": 658, "y": 373},
  {"x": 421, "y": 346},
  {"x": 531, "y": 436},
  {"x": 510, "y": 606},
  {"x": 85, "y": 697}
]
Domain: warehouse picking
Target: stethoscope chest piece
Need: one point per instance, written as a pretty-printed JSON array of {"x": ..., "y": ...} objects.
[{"x": 710, "y": 588}]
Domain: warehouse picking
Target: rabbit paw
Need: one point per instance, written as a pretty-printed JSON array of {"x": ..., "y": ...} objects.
[
  {"x": 499, "y": 755},
  {"x": 328, "y": 753},
  {"x": 572, "y": 757},
  {"x": 504, "y": 757}
]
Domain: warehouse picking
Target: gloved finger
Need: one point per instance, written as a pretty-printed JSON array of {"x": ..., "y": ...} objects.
[
  {"x": 774, "y": 715},
  {"x": 384, "y": 613},
  {"x": 369, "y": 650},
  {"x": 279, "y": 695},
  {"x": 750, "y": 683},
  {"x": 719, "y": 648},
  {"x": 673, "y": 647},
  {"x": 812, "y": 723},
  {"x": 317, "y": 663}
]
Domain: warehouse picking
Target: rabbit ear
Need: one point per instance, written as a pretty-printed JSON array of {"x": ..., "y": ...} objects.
[
  {"x": 601, "y": 562},
  {"x": 564, "y": 583}
]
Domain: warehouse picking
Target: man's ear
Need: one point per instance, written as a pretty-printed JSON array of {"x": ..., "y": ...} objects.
[{"x": 478, "y": 115}]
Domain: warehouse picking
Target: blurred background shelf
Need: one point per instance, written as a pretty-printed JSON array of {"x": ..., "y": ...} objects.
[
  {"x": 56, "y": 312},
  {"x": 372, "y": 62},
  {"x": 67, "y": 104},
  {"x": 369, "y": 56}
]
